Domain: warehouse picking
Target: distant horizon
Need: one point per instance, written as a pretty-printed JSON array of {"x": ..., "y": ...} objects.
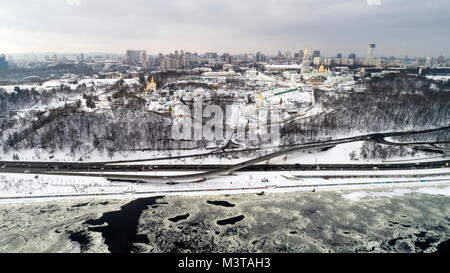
[{"x": 344, "y": 55}]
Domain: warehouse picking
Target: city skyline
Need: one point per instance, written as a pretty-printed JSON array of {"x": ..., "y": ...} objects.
[{"x": 415, "y": 29}]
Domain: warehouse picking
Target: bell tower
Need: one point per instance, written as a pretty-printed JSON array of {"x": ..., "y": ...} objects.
[{"x": 305, "y": 62}]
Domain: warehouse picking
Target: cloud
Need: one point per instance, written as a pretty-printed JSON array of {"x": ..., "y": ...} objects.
[
  {"x": 374, "y": 2},
  {"x": 399, "y": 27},
  {"x": 74, "y": 2}
]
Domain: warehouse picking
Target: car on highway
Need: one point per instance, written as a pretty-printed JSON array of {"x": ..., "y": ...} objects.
[
  {"x": 26, "y": 171},
  {"x": 3, "y": 166}
]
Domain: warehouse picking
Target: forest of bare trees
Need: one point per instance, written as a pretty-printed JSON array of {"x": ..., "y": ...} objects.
[
  {"x": 398, "y": 104},
  {"x": 387, "y": 105}
]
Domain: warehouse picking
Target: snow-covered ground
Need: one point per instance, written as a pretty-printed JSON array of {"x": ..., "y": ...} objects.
[
  {"x": 10, "y": 88},
  {"x": 36, "y": 187},
  {"x": 57, "y": 83},
  {"x": 337, "y": 155},
  {"x": 439, "y": 78}
]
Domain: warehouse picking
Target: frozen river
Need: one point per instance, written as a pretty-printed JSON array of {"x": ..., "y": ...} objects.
[{"x": 383, "y": 220}]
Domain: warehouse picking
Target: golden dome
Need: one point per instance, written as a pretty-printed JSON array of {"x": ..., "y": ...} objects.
[
  {"x": 153, "y": 83},
  {"x": 322, "y": 68}
]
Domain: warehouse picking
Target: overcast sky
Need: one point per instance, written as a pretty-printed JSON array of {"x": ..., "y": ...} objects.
[{"x": 398, "y": 27}]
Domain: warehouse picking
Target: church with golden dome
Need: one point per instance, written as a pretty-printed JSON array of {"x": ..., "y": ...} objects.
[
  {"x": 151, "y": 87},
  {"x": 322, "y": 70}
]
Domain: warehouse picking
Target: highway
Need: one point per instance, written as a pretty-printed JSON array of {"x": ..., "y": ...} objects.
[
  {"x": 258, "y": 189},
  {"x": 217, "y": 170},
  {"x": 426, "y": 146}
]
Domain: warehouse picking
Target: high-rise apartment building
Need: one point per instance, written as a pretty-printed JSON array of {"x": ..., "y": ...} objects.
[
  {"x": 3, "y": 62},
  {"x": 371, "y": 51}
]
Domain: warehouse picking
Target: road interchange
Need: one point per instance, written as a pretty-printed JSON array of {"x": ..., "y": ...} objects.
[{"x": 218, "y": 170}]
